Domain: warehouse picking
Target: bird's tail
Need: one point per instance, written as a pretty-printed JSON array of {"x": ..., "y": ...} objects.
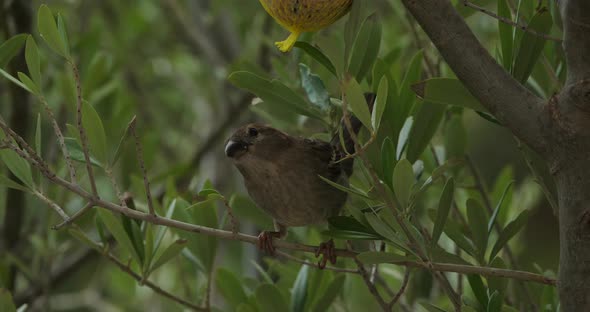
[{"x": 347, "y": 144}]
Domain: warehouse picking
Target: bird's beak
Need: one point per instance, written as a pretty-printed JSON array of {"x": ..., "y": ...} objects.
[{"x": 233, "y": 147}]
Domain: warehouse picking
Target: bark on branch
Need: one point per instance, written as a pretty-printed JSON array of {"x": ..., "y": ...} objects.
[{"x": 510, "y": 102}]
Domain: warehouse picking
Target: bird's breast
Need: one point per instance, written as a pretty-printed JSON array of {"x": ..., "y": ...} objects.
[{"x": 292, "y": 195}]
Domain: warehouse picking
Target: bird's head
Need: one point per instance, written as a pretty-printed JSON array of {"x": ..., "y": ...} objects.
[{"x": 256, "y": 140}]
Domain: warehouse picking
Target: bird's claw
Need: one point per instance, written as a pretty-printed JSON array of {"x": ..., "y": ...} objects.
[
  {"x": 265, "y": 241},
  {"x": 328, "y": 252}
]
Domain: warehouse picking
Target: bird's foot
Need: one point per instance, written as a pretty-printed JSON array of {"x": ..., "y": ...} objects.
[
  {"x": 265, "y": 241},
  {"x": 328, "y": 252}
]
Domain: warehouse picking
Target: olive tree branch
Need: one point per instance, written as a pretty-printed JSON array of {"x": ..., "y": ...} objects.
[
  {"x": 281, "y": 244},
  {"x": 81, "y": 130}
]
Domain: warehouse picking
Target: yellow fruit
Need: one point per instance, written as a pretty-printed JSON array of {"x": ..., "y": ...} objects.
[{"x": 299, "y": 16}]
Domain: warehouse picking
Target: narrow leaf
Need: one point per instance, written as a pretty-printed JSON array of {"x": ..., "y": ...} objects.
[
  {"x": 49, "y": 32},
  {"x": 509, "y": 232},
  {"x": 10, "y": 48},
  {"x": 115, "y": 226},
  {"x": 444, "y": 206},
  {"x": 497, "y": 210},
  {"x": 33, "y": 63},
  {"x": 380, "y": 103},
  {"x": 169, "y": 253},
  {"x": 332, "y": 291},
  {"x": 95, "y": 132},
  {"x": 4, "y": 180},
  {"x": 314, "y": 88},
  {"x": 531, "y": 45},
  {"x": 230, "y": 287},
  {"x": 366, "y": 48},
  {"x": 447, "y": 91},
  {"x": 505, "y": 32},
  {"x": 477, "y": 220},
  {"x": 425, "y": 125},
  {"x": 299, "y": 291},
  {"x": 478, "y": 289},
  {"x": 270, "y": 299},
  {"x": 403, "y": 180},
  {"x": 15, "y": 81},
  {"x": 357, "y": 102},
  {"x": 317, "y": 55},
  {"x": 344, "y": 189},
  {"x": 31, "y": 87}
]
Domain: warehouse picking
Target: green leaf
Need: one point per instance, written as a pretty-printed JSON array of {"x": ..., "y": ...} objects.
[
  {"x": 116, "y": 228},
  {"x": 357, "y": 102},
  {"x": 404, "y": 135},
  {"x": 425, "y": 125},
  {"x": 505, "y": 32},
  {"x": 18, "y": 166},
  {"x": 403, "y": 180},
  {"x": 270, "y": 299},
  {"x": 388, "y": 160},
  {"x": 441, "y": 255},
  {"x": 31, "y": 87},
  {"x": 497, "y": 283},
  {"x": 15, "y": 81},
  {"x": 230, "y": 287},
  {"x": 478, "y": 289},
  {"x": 351, "y": 28},
  {"x": 509, "y": 232},
  {"x": 169, "y": 253},
  {"x": 4, "y": 180},
  {"x": 95, "y": 132},
  {"x": 314, "y": 88},
  {"x": 49, "y": 32},
  {"x": 406, "y": 98},
  {"x": 317, "y": 55},
  {"x": 299, "y": 291},
  {"x": 33, "y": 62},
  {"x": 380, "y": 103},
  {"x": 77, "y": 154},
  {"x": 61, "y": 27},
  {"x": 6, "y": 304},
  {"x": 447, "y": 91},
  {"x": 332, "y": 291},
  {"x": 375, "y": 257},
  {"x": 274, "y": 92},
  {"x": 531, "y": 45},
  {"x": 444, "y": 206},
  {"x": 385, "y": 230},
  {"x": 10, "y": 48},
  {"x": 497, "y": 209},
  {"x": 344, "y": 188},
  {"x": 477, "y": 219},
  {"x": 79, "y": 235},
  {"x": 455, "y": 137},
  {"x": 121, "y": 144},
  {"x": 204, "y": 247},
  {"x": 345, "y": 234},
  {"x": 366, "y": 48},
  {"x": 453, "y": 231}
]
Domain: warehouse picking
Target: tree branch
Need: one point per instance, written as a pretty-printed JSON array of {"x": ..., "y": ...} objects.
[
  {"x": 510, "y": 102},
  {"x": 576, "y": 22}
]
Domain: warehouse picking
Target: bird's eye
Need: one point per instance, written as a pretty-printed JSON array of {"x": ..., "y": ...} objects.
[{"x": 252, "y": 132}]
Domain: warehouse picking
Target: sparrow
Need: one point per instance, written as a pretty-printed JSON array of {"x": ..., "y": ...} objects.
[{"x": 282, "y": 176}]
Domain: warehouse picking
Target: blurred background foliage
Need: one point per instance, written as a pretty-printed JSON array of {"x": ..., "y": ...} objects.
[{"x": 168, "y": 62}]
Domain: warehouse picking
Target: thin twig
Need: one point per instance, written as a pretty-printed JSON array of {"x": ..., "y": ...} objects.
[
  {"x": 367, "y": 279},
  {"x": 510, "y": 22},
  {"x": 488, "y": 204},
  {"x": 392, "y": 206},
  {"x": 312, "y": 264},
  {"x": 81, "y": 130},
  {"x": 51, "y": 204},
  {"x": 139, "y": 151},
  {"x": 193, "y": 228},
  {"x": 60, "y": 139},
  {"x": 401, "y": 290},
  {"x": 74, "y": 217},
  {"x": 235, "y": 225}
]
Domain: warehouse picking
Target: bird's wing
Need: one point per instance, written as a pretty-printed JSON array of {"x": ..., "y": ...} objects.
[{"x": 327, "y": 157}]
